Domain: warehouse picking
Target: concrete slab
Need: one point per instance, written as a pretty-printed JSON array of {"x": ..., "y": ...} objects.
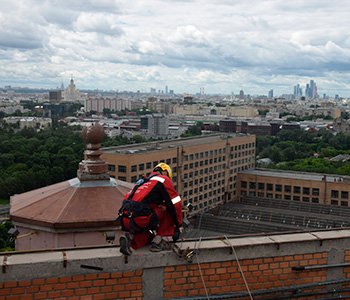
[
  {"x": 296, "y": 237},
  {"x": 332, "y": 234}
]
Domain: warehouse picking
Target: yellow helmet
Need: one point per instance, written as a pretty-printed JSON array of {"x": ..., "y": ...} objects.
[{"x": 164, "y": 167}]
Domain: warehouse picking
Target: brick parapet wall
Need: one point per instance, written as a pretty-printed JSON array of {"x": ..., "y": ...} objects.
[
  {"x": 101, "y": 273},
  {"x": 117, "y": 285}
]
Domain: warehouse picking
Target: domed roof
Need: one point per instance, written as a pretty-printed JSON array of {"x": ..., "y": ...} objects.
[
  {"x": 71, "y": 204},
  {"x": 90, "y": 200}
]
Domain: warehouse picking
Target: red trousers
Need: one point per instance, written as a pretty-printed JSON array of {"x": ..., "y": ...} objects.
[{"x": 166, "y": 228}]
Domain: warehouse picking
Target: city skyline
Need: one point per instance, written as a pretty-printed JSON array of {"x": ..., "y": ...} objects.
[{"x": 221, "y": 46}]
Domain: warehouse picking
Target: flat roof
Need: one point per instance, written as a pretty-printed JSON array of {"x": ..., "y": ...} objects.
[
  {"x": 168, "y": 144},
  {"x": 297, "y": 175}
]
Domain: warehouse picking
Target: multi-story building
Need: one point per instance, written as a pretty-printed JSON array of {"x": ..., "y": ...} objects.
[
  {"x": 155, "y": 125},
  {"x": 113, "y": 104},
  {"x": 297, "y": 186},
  {"x": 204, "y": 167}
]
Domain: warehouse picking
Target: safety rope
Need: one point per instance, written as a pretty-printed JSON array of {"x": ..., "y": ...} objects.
[
  {"x": 200, "y": 269},
  {"x": 240, "y": 268}
]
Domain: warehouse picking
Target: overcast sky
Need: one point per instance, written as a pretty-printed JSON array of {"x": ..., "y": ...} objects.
[{"x": 221, "y": 45}]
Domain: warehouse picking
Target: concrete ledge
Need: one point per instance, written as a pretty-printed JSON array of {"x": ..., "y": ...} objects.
[{"x": 66, "y": 262}]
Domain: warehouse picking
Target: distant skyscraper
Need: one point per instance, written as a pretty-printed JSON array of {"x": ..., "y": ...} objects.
[
  {"x": 166, "y": 90},
  {"x": 297, "y": 91},
  {"x": 270, "y": 94},
  {"x": 201, "y": 91},
  {"x": 241, "y": 94},
  {"x": 311, "y": 90}
]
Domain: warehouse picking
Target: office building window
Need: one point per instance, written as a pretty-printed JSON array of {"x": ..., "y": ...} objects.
[
  {"x": 141, "y": 167},
  {"x": 122, "y": 169},
  {"x": 261, "y": 185},
  {"x": 344, "y": 203},
  {"x": 133, "y": 168},
  {"x": 306, "y": 199},
  {"x": 306, "y": 191},
  {"x": 296, "y": 189},
  {"x": 148, "y": 165},
  {"x": 122, "y": 178},
  {"x": 287, "y": 197},
  {"x": 155, "y": 163},
  {"x": 278, "y": 196},
  {"x": 334, "y": 202},
  {"x": 111, "y": 168},
  {"x": 252, "y": 185},
  {"x": 133, "y": 179},
  {"x": 287, "y": 188},
  {"x": 344, "y": 195},
  {"x": 315, "y": 192},
  {"x": 269, "y": 186},
  {"x": 315, "y": 200},
  {"x": 296, "y": 198},
  {"x": 334, "y": 194},
  {"x": 243, "y": 184},
  {"x": 278, "y": 188}
]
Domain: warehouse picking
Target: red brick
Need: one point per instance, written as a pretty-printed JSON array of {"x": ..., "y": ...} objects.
[
  {"x": 67, "y": 293},
  {"x": 18, "y": 290},
  {"x": 5, "y": 292},
  {"x": 53, "y": 294},
  {"x": 13, "y": 298},
  {"x": 169, "y": 269},
  {"x": 85, "y": 284},
  {"x": 65, "y": 279},
  {"x": 81, "y": 291},
  {"x": 10, "y": 284},
  {"x": 32, "y": 289},
  {"x": 181, "y": 268},
  {"x": 93, "y": 290},
  {"x": 100, "y": 282},
  {"x": 26, "y": 297},
  {"x": 52, "y": 280},
  {"x": 215, "y": 265},
  {"x": 136, "y": 279},
  {"x": 129, "y": 274},
  {"x": 221, "y": 270},
  {"x": 78, "y": 277},
  {"x": 124, "y": 294},
  {"x": 180, "y": 281},
  {"x": 107, "y": 289},
  {"x": 72, "y": 285},
  {"x": 113, "y": 296},
  {"x": 104, "y": 276},
  {"x": 40, "y": 296},
  {"x": 24, "y": 283},
  {"x": 90, "y": 276},
  {"x": 116, "y": 275},
  {"x": 136, "y": 294}
]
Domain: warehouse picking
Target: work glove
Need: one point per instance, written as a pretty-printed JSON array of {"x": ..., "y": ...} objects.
[{"x": 177, "y": 233}]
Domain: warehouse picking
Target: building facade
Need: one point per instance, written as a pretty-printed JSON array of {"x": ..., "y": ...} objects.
[
  {"x": 204, "y": 168},
  {"x": 305, "y": 187},
  {"x": 113, "y": 104}
]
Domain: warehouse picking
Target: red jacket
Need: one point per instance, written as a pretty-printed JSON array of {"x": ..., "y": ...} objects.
[{"x": 160, "y": 194}]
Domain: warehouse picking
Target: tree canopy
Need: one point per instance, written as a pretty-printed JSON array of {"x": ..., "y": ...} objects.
[{"x": 300, "y": 150}]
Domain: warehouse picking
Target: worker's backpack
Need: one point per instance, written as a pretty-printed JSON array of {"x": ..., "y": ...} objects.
[{"x": 136, "y": 216}]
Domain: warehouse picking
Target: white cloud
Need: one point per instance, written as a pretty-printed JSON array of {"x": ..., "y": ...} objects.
[{"x": 223, "y": 45}]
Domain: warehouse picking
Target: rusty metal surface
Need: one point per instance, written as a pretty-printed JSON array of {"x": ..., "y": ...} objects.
[{"x": 70, "y": 206}]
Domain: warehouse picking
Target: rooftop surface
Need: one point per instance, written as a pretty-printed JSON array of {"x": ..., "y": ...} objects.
[
  {"x": 296, "y": 175},
  {"x": 155, "y": 146}
]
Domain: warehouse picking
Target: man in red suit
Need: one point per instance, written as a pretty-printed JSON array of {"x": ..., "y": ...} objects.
[{"x": 150, "y": 211}]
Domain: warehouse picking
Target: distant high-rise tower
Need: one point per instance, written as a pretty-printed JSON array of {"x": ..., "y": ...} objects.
[
  {"x": 166, "y": 90},
  {"x": 241, "y": 94},
  {"x": 297, "y": 91},
  {"x": 201, "y": 91},
  {"x": 311, "y": 90},
  {"x": 270, "y": 94}
]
